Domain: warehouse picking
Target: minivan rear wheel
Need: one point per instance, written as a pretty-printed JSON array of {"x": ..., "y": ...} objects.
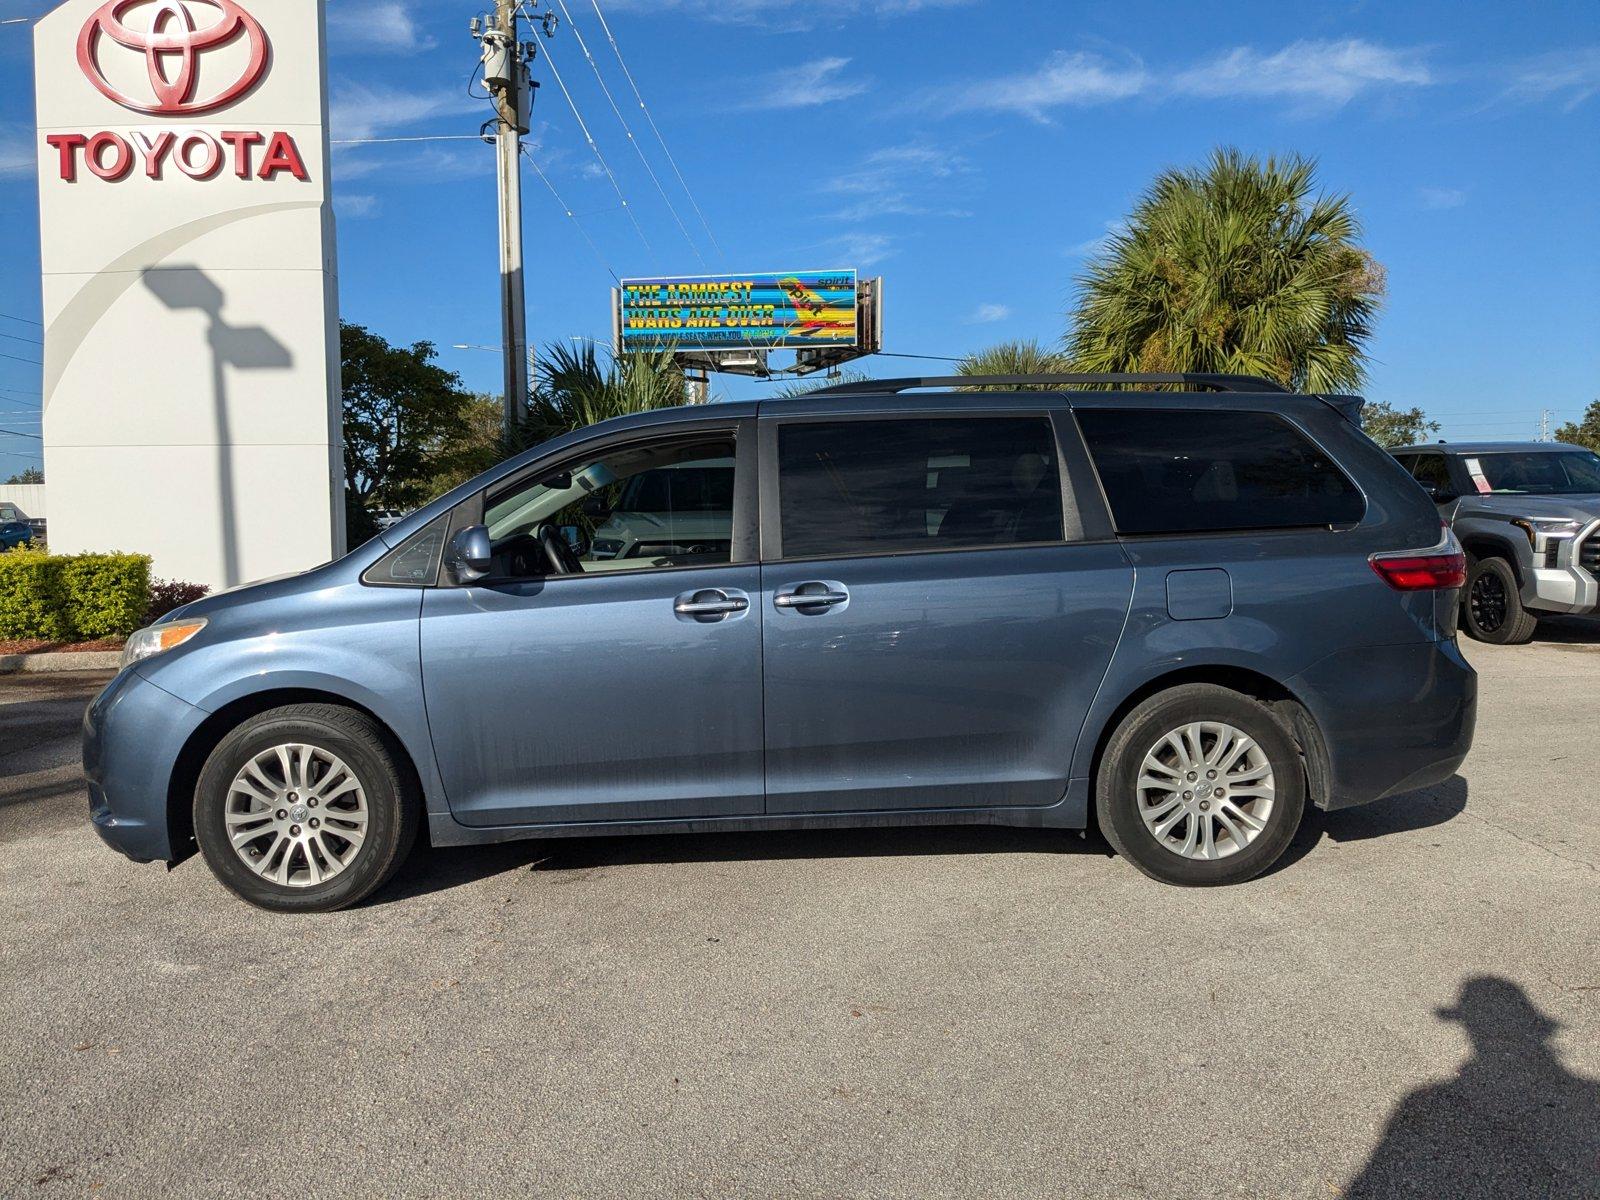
[
  {"x": 1200, "y": 786},
  {"x": 305, "y": 808}
]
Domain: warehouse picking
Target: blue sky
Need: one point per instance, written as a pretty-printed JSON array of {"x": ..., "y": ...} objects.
[{"x": 972, "y": 153}]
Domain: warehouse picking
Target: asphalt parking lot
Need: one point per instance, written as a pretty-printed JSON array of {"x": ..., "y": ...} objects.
[{"x": 1409, "y": 1006}]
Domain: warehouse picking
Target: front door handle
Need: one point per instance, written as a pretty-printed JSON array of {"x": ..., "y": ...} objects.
[
  {"x": 813, "y": 594},
  {"x": 710, "y": 603}
]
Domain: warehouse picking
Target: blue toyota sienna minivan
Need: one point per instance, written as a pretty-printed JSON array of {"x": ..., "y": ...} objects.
[{"x": 1181, "y": 615}]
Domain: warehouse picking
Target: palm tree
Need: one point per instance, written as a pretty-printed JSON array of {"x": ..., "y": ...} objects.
[
  {"x": 1235, "y": 267},
  {"x": 574, "y": 389},
  {"x": 1023, "y": 357}
]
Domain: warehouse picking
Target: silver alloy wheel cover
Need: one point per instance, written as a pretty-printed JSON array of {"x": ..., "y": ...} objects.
[
  {"x": 1205, "y": 790},
  {"x": 296, "y": 815}
]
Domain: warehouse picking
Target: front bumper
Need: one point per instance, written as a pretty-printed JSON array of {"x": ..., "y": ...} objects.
[
  {"x": 1392, "y": 718},
  {"x": 1558, "y": 580},
  {"x": 133, "y": 732}
]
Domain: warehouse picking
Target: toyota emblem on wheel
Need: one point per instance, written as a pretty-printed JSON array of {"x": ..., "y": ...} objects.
[{"x": 173, "y": 46}]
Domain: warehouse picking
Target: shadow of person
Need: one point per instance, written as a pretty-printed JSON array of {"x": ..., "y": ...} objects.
[{"x": 1513, "y": 1122}]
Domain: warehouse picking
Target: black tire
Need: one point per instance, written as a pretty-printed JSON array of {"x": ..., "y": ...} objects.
[
  {"x": 1117, "y": 794},
  {"x": 1491, "y": 606},
  {"x": 393, "y": 802}
]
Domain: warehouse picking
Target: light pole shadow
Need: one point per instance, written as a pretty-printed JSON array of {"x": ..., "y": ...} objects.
[{"x": 242, "y": 347}]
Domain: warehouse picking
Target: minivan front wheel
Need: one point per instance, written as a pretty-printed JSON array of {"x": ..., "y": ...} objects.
[
  {"x": 304, "y": 808},
  {"x": 1200, "y": 786}
]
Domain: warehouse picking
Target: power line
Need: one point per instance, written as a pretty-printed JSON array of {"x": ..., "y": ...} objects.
[
  {"x": 17, "y": 337},
  {"x": 545, "y": 179},
  {"x": 24, "y": 320},
  {"x": 431, "y": 137},
  {"x": 684, "y": 183},
  {"x": 599, "y": 157},
  {"x": 31, "y": 361},
  {"x": 632, "y": 141},
  {"x": 19, "y": 433}
]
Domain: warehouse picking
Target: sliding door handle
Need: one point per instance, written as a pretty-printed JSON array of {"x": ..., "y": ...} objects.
[{"x": 813, "y": 594}]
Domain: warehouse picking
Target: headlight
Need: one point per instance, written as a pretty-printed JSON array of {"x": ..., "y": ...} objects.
[
  {"x": 158, "y": 639},
  {"x": 1536, "y": 527}
]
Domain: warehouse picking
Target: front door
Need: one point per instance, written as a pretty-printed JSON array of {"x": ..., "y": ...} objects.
[
  {"x": 603, "y": 684},
  {"x": 935, "y": 624}
]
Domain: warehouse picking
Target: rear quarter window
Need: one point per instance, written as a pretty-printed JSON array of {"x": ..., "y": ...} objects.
[{"x": 1209, "y": 471}]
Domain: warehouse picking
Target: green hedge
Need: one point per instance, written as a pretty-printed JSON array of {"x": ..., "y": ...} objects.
[{"x": 72, "y": 597}]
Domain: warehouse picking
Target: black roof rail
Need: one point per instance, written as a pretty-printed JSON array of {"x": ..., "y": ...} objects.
[{"x": 1194, "y": 381}]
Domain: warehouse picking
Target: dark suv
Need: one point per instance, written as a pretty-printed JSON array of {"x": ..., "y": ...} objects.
[{"x": 1181, "y": 614}]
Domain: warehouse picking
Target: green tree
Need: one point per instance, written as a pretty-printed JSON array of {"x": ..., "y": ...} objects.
[
  {"x": 575, "y": 388},
  {"x": 1234, "y": 266},
  {"x": 811, "y": 383},
  {"x": 1390, "y": 426},
  {"x": 27, "y": 475},
  {"x": 1585, "y": 432},
  {"x": 400, "y": 411},
  {"x": 480, "y": 444},
  {"x": 1022, "y": 357}
]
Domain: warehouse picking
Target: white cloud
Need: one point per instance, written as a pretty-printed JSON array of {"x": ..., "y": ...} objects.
[
  {"x": 1310, "y": 74},
  {"x": 809, "y": 84},
  {"x": 894, "y": 181},
  {"x": 1066, "y": 79},
  {"x": 859, "y": 248},
  {"x": 1441, "y": 198},
  {"x": 1569, "y": 77},
  {"x": 382, "y": 25},
  {"x": 358, "y": 110},
  {"x": 987, "y": 314},
  {"x": 18, "y": 155},
  {"x": 355, "y": 205},
  {"x": 1323, "y": 73},
  {"x": 784, "y": 16}
]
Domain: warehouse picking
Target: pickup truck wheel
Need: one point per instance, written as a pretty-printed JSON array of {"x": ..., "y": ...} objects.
[
  {"x": 305, "y": 808},
  {"x": 1491, "y": 609},
  {"x": 1200, "y": 786}
]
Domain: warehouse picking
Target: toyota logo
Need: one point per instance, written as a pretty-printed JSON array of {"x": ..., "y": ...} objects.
[{"x": 172, "y": 49}]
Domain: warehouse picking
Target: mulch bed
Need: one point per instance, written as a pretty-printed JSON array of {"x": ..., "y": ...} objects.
[{"x": 31, "y": 646}]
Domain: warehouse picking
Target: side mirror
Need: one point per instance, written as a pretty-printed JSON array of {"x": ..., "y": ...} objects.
[
  {"x": 1438, "y": 494},
  {"x": 471, "y": 554}
]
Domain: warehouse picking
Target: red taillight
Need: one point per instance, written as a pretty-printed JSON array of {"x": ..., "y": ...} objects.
[{"x": 1421, "y": 572}]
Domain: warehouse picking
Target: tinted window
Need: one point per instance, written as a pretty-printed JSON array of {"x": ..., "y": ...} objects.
[
  {"x": 1539, "y": 472},
  {"x": 877, "y": 487},
  {"x": 1431, "y": 468},
  {"x": 1197, "y": 470}
]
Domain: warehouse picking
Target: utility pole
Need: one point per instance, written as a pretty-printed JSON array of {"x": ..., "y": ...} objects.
[
  {"x": 1544, "y": 424},
  {"x": 505, "y": 73}
]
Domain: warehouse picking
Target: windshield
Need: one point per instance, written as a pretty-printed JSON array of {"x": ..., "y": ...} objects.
[{"x": 1537, "y": 473}]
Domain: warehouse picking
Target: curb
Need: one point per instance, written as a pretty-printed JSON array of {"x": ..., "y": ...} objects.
[{"x": 71, "y": 660}]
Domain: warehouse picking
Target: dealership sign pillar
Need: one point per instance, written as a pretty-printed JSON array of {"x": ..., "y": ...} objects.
[{"x": 191, "y": 372}]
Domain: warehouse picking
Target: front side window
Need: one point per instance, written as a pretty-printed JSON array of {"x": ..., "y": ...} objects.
[
  {"x": 645, "y": 505},
  {"x": 1538, "y": 473},
  {"x": 1432, "y": 469},
  {"x": 908, "y": 484},
  {"x": 1207, "y": 471}
]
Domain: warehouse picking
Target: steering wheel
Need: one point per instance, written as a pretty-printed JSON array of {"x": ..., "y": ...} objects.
[{"x": 560, "y": 555}]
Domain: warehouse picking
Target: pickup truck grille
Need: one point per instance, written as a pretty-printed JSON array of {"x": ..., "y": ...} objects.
[{"x": 1588, "y": 555}]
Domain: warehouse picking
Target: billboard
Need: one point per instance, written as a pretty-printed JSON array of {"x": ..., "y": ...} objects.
[{"x": 739, "y": 312}]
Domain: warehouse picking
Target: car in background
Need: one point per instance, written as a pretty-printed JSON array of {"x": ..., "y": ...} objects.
[
  {"x": 668, "y": 512},
  {"x": 1181, "y": 618},
  {"x": 1528, "y": 516},
  {"x": 385, "y": 518},
  {"x": 15, "y": 533}
]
